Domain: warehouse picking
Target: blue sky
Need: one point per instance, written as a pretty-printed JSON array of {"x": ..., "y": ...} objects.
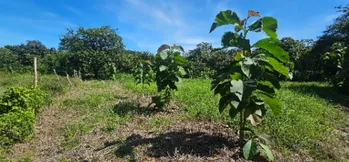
[{"x": 146, "y": 24}]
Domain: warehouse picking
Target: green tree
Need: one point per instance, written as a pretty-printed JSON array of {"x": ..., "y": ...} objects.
[
  {"x": 338, "y": 31},
  {"x": 299, "y": 51},
  {"x": 198, "y": 59},
  {"x": 204, "y": 60},
  {"x": 26, "y": 52},
  {"x": 58, "y": 62},
  {"x": 92, "y": 50},
  {"x": 248, "y": 85},
  {"x": 8, "y": 61}
]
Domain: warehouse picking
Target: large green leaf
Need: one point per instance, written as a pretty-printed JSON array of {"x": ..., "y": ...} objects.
[
  {"x": 266, "y": 86},
  {"x": 271, "y": 102},
  {"x": 256, "y": 26},
  {"x": 225, "y": 18},
  {"x": 246, "y": 66},
  {"x": 223, "y": 102},
  {"x": 236, "y": 76},
  {"x": 234, "y": 110},
  {"x": 163, "y": 55},
  {"x": 181, "y": 69},
  {"x": 267, "y": 152},
  {"x": 279, "y": 67},
  {"x": 250, "y": 149},
  {"x": 222, "y": 88},
  {"x": 230, "y": 39},
  {"x": 269, "y": 26},
  {"x": 244, "y": 43},
  {"x": 172, "y": 85},
  {"x": 162, "y": 68},
  {"x": 237, "y": 87},
  {"x": 179, "y": 60},
  {"x": 271, "y": 45},
  {"x": 272, "y": 79}
]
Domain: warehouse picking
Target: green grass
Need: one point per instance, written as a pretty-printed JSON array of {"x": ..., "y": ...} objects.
[
  {"x": 71, "y": 134},
  {"x": 307, "y": 119},
  {"x": 310, "y": 114},
  {"x": 312, "y": 123},
  {"x": 49, "y": 83}
]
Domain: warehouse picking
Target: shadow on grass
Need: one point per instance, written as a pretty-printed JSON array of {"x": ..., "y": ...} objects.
[
  {"x": 175, "y": 143},
  {"x": 327, "y": 93},
  {"x": 125, "y": 107},
  {"x": 172, "y": 144}
]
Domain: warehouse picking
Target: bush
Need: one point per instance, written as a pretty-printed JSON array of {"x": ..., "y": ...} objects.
[
  {"x": 17, "y": 114},
  {"x": 22, "y": 99},
  {"x": 342, "y": 81},
  {"x": 16, "y": 126}
]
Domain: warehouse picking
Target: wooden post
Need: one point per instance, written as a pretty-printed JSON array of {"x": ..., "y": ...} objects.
[
  {"x": 35, "y": 73},
  {"x": 59, "y": 81},
  {"x": 70, "y": 83}
]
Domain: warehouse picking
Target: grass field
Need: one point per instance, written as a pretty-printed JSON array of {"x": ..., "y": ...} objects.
[{"x": 109, "y": 121}]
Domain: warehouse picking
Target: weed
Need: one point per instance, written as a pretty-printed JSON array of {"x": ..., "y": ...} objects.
[
  {"x": 155, "y": 124},
  {"x": 71, "y": 134}
]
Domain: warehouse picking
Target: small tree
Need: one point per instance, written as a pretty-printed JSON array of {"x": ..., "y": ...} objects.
[
  {"x": 143, "y": 73},
  {"x": 168, "y": 68},
  {"x": 248, "y": 86}
]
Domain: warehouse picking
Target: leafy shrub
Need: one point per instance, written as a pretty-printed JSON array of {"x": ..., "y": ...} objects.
[
  {"x": 333, "y": 60},
  {"x": 17, "y": 114},
  {"x": 16, "y": 126},
  {"x": 342, "y": 80},
  {"x": 22, "y": 99},
  {"x": 335, "y": 67}
]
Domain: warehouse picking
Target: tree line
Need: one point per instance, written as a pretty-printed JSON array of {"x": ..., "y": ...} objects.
[{"x": 99, "y": 53}]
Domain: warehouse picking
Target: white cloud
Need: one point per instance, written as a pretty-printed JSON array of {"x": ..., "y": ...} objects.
[
  {"x": 160, "y": 22},
  {"x": 155, "y": 11}
]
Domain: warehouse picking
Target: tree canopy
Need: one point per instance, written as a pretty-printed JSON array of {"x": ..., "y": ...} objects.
[{"x": 93, "y": 50}]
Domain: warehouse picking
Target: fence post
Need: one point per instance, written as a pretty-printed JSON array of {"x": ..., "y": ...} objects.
[{"x": 35, "y": 73}]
